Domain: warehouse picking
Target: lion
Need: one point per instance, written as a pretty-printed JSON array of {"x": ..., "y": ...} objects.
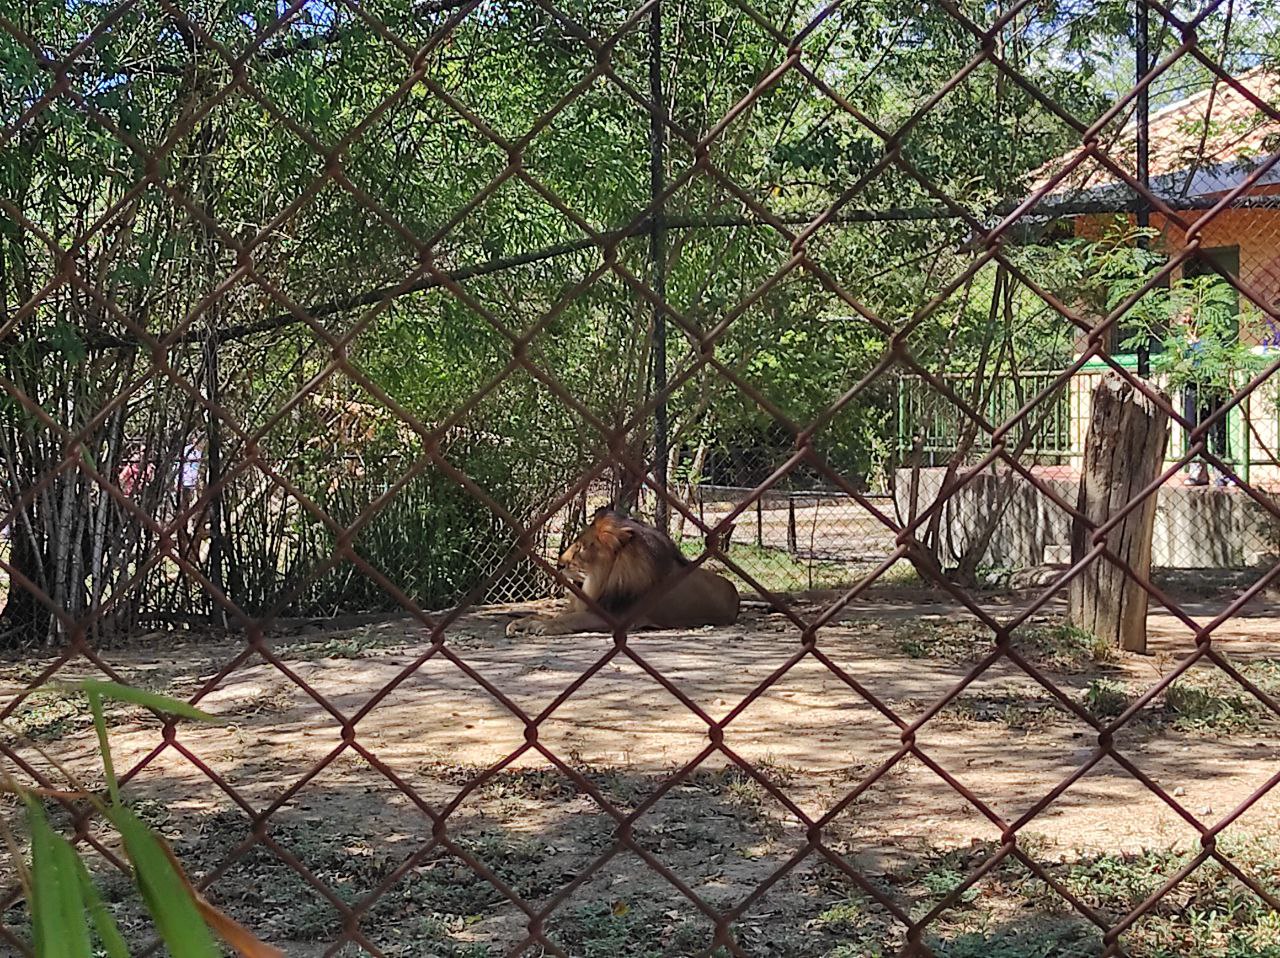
[{"x": 621, "y": 563}]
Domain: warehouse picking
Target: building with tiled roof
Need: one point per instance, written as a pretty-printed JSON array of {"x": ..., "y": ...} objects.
[
  {"x": 1201, "y": 149},
  {"x": 1202, "y": 146}
]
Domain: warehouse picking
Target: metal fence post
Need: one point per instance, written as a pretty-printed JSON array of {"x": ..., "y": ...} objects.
[{"x": 658, "y": 265}]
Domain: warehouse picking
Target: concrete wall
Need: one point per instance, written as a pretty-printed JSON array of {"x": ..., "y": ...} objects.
[{"x": 1196, "y": 527}]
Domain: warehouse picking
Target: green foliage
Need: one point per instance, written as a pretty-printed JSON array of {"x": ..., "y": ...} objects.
[
  {"x": 1069, "y": 645},
  {"x": 426, "y": 533},
  {"x": 97, "y": 690},
  {"x": 1208, "y": 351},
  {"x": 943, "y": 880},
  {"x": 59, "y": 916},
  {"x": 433, "y": 540},
  {"x": 777, "y": 570},
  {"x": 179, "y": 922},
  {"x": 1201, "y": 706},
  {"x": 600, "y": 931},
  {"x": 64, "y": 904},
  {"x": 1106, "y": 698},
  {"x": 1057, "y": 645},
  {"x": 1192, "y": 324}
]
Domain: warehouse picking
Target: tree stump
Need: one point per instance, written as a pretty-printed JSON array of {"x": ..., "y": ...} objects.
[{"x": 1122, "y": 455}]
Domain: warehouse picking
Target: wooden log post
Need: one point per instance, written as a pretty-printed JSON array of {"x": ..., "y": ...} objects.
[{"x": 1122, "y": 455}]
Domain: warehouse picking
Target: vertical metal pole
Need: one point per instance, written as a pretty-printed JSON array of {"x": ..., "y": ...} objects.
[
  {"x": 212, "y": 376},
  {"x": 1143, "y": 145},
  {"x": 213, "y": 454},
  {"x": 658, "y": 263}
]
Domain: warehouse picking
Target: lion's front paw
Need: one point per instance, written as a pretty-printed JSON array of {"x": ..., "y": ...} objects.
[{"x": 530, "y": 625}]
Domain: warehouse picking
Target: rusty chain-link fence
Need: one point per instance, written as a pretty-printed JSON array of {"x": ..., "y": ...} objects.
[{"x": 327, "y": 325}]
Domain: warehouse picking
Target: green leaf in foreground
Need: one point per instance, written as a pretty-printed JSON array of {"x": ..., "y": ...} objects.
[
  {"x": 57, "y": 908},
  {"x": 108, "y": 933},
  {"x": 151, "y": 700},
  {"x": 177, "y": 918},
  {"x": 104, "y": 746}
]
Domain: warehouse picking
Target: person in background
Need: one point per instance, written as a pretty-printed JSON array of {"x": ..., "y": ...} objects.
[
  {"x": 1199, "y": 402},
  {"x": 136, "y": 472},
  {"x": 1271, "y": 338},
  {"x": 188, "y": 482}
]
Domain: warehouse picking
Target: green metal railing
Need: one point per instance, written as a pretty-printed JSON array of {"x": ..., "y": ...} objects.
[{"x": 932, "y": 426}]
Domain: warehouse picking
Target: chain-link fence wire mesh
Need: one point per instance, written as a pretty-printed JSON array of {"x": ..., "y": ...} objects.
[{"x": 318, "y": 309}]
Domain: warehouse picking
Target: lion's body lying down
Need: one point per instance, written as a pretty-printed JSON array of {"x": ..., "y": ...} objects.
[{"x": 625, "y": 567}]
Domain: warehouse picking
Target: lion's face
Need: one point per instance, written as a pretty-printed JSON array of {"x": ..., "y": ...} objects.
[{"x": 598, "y": 544}]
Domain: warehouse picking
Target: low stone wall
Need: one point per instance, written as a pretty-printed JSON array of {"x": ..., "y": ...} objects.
[{"x": 1196, "y": 527}]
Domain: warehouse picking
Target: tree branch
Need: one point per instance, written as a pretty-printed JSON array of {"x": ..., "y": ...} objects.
[
  {"x": 372, "y": 297},
  {"x": 287, "y": 48},
  {"x": 280, "y": 50}
]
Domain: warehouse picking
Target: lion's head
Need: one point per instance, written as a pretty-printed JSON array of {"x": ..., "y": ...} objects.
[
  {"x": 600, "y": 542},
  {"x": 629, "y": 555}
]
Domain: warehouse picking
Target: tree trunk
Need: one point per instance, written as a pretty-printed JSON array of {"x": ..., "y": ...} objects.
[
  {"x": 1122, "y": 455},
  {"x": 24, "y": 617}
]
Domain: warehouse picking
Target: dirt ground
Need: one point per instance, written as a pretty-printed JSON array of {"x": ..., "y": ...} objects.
[{"x": 798, "y": 750}]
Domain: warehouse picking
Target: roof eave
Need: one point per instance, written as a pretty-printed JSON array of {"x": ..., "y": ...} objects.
[{"x": 1174, "y": 186}]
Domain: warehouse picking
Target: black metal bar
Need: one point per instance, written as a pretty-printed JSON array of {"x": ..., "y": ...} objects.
[
  {"x": 213, "y": 442},
  {"x": 658, "y": 263},
  {"x": 1143, "y": 148},
  {"x": 209, "y": 142}
]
